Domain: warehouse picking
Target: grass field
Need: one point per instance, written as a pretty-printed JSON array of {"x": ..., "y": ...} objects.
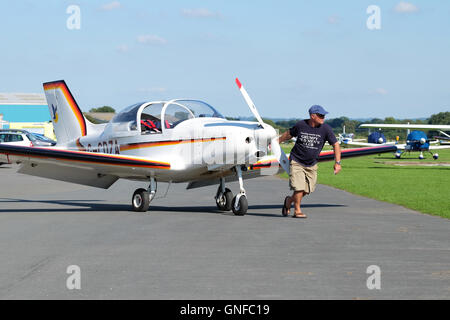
[{"x": 415, "y": 186}]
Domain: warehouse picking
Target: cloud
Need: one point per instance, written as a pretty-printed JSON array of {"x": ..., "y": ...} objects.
[
  {"x": 122, "y": 48},
  {"x": 405, "y": 7},
  {"x": 199, "y": 13},
  {"x": 151, "y": 39},
  {"x": 381, "y": 91},
  {"x": 110, "y": 6},
  {"x": 334, "y": 19}
]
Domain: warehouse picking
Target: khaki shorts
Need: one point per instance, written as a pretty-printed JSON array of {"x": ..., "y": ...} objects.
[{"x": 303, "y": 178}]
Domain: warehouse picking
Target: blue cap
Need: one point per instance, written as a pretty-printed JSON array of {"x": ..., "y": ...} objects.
[{"x": 317, "y": 109}]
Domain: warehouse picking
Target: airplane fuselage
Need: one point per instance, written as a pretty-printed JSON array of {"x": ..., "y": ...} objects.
[{"x": 213, "y": 146}]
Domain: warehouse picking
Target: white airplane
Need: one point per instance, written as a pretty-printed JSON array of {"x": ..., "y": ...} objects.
[
  {"x": 443, "y": 127},
  {"x": 415, "y": 141},
  {"x": 167, "y": 141},
  {"x": 444, "y": 139}
]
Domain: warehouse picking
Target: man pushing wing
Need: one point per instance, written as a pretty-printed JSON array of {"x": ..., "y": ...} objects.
[{"x": 311, "y": 136}]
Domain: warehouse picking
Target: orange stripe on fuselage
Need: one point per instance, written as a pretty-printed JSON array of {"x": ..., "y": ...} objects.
[
  {"x": 72, "y": 103},
  {"x": 133, "y": 146},
  {"x": 143, "y": 162}
]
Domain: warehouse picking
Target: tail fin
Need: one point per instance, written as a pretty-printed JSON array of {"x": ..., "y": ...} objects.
[{"x": 68, "y": 120}]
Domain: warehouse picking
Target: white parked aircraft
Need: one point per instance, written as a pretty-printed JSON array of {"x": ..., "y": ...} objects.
[
  {"x": 416, "y": 141},
  {"x": 168, "y": 141},
  {"x": 443, "y": 127}
]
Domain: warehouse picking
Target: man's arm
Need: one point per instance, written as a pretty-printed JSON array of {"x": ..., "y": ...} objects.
[
  {"x": 285, "y": 136},
  {"x": 337, "y": 157}
]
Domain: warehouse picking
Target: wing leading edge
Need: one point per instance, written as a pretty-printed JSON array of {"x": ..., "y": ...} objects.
[
  {"x": 86, "y": 168},
  {"x": 270, "y": 162}
]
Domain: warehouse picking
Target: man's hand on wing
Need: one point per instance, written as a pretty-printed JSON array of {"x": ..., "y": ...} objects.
[
  {"x": 337, "y": 168},
  {"x": 337, "y": 156}
]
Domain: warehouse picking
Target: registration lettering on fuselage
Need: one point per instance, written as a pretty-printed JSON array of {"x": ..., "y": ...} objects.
[{"x": 111, "y": 147}]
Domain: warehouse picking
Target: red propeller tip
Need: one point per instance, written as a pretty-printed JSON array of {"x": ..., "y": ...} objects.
[{"x": 238, "y": 83}]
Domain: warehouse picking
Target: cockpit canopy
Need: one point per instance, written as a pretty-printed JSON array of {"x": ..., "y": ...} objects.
[{"x": 154, "y": 117}]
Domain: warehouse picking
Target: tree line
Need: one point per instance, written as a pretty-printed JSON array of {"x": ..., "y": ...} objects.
[
  {"x": 338, "y": 124},
  {"x": 352, "y": 126}
]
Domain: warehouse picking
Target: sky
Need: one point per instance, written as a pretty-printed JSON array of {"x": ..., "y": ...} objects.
[{"x": 289, "y": 55}]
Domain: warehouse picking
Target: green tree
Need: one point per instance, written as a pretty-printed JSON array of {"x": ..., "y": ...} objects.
[
  {"x": 103, "y": 109},
  {"x": 440, "y": 118},
  {"x": 92, "y": 119}
]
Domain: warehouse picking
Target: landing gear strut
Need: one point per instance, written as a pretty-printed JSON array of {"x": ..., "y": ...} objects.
[
  {"x": 142, "y": 198},
  {"x": 239, "y": 205},
  {"x": 225, "y": 200}
]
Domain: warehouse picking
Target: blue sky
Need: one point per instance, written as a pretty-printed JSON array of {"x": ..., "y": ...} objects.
[{"x": 288, "y": 54}]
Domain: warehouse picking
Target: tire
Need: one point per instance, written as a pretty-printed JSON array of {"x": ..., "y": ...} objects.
[
  {"x": 140, "y": 201},
  {"x": 242, "y": 206},
  {"x": 224, "y": 200}
]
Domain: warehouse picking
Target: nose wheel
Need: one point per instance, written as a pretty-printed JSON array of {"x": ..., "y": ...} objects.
[
  {"x": 239, "y": 204},
  {"x": 225, "y": 200}
]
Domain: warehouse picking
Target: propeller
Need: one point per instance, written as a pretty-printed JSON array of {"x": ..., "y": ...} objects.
[{"x": 276, "y": 148}]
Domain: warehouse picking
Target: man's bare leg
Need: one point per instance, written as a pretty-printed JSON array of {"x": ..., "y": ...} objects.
[{"x": 296, "y": 198}]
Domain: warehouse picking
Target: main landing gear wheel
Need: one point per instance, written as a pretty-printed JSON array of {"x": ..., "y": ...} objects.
[
  {"x": 223, "y": 200},
  {"x": 140, "y": 200},
  {"x": 239, "y": 205}
]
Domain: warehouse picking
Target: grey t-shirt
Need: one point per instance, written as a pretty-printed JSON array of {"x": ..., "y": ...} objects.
[{"x": 310, "y": 142}]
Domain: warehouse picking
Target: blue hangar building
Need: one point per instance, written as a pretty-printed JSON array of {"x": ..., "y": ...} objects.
[{"x": 24, "y": 107}]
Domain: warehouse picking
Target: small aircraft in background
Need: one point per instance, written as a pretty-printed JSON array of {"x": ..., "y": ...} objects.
[
  {"x": 179, "y": 140},
  {"x": 444, "y": 139},
  {"x": 416, "y": 141}
]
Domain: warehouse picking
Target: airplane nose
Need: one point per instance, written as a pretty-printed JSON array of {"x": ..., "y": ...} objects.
[{"x": 263, "y": 138}]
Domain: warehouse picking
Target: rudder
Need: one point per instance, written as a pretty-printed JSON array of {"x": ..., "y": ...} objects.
[{"x": 68, "y": 120}]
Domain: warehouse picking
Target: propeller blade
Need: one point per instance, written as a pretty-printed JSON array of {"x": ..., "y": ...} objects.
[
  {"x": 276, "y": 148},
  {"x": 250, "y": 103},
  {"x": 279, "y": 153}
]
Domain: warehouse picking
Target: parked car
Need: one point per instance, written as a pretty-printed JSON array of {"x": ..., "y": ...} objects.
[
  {"x": 44, "y": 139},
  {"x": 24, "y": 138},
  {"x": 14, "y": 137}
]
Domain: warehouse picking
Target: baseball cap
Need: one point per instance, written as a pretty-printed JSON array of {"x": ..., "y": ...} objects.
[{"x": 317, "y": 109}]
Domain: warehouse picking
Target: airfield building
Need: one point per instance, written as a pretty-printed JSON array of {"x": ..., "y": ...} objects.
[{"x": 28, "y": 111}]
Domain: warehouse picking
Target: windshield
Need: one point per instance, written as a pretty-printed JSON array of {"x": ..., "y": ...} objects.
[
  {"x": 200, "y": 109},
  {"x": 31, "y": 137},
  {"x": 128, "y": 114},
  {"x": 43, "y": 138}
]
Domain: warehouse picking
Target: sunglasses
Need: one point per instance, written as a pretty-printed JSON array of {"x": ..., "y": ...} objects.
[{"x": 321, "y": 116}]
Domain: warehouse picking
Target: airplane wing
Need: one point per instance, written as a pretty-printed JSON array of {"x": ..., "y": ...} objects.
[
  {"x": 438, "y": 147},
  {"x": 269, "y": 165},
  {"x": 86, "y": 168},
  {"x": 407, "y": 126},
  {"x": 367, "y": 144},
  {"x": 441, "y": 138}
]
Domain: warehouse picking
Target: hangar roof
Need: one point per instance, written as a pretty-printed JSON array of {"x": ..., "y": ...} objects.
[{"x": 23, "y": 98}]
